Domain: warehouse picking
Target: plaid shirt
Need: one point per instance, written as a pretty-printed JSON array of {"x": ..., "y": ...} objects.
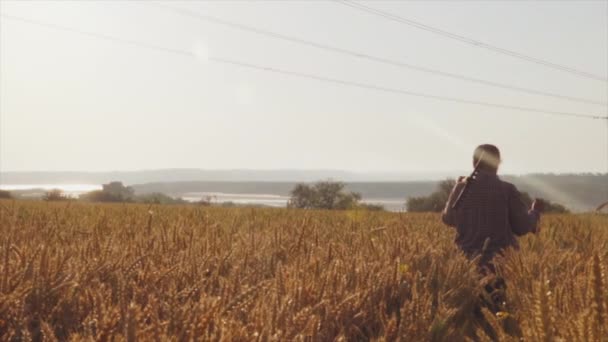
[{"x": 490, "y": 210}]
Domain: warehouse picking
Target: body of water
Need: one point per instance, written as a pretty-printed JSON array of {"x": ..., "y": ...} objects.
[
  {"x": 270, "y": 200},
  {"x": 220, "y": 197}
]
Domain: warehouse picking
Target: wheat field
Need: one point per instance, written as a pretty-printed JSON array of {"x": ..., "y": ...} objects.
[{"x": 93, "y": 272}]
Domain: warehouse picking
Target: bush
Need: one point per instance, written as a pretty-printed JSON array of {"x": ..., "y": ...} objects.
[
  {"x": 55, "y": 195},
  {"x": 5, "y": 194}
]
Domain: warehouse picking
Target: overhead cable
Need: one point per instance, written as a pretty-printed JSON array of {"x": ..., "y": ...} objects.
[
  {"x": 470, "y": 41},
  {"x": 370, "y": 57},
  {"x": 301, "y": 74}
]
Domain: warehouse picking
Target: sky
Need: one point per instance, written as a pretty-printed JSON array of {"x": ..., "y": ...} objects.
[{"x": 70, "y": 101}]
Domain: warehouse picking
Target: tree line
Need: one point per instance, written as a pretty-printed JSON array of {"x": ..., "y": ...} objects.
[{"x": 326, "y": 195}]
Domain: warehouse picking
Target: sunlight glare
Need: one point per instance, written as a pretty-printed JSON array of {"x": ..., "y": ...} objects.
[{"x": 201, "y": 51}]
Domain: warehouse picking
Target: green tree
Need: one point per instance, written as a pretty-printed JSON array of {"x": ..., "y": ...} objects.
[
  {"x": 302, "y": 196},
  {"x": 323, "y": 195},
  {"x": 435, "y": 201},
  {"x": 111, "y": 192},
  {"x": 118, "y": 190},
  {"x": 55, "y": 195}
]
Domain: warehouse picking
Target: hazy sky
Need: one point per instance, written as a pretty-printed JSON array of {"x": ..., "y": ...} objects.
[{"x": 74, "y": 102}]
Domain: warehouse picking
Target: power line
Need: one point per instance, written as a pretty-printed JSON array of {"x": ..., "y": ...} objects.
[
  {"x": 470, "y": 41},
  {"x": 407, "y": 92},
  {"x": 215, "y": 20},
  {"x": 97, "y": 35},
  {"x": 303, "y": 75}
]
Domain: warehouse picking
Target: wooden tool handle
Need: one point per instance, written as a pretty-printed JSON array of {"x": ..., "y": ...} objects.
[{"x": 468, "y": 181}]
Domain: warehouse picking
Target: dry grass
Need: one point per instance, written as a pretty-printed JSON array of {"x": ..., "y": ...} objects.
[{"x": 129, "y": 272}]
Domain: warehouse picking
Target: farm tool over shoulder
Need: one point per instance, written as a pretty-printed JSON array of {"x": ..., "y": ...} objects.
[{"x": 468, "y": 182}]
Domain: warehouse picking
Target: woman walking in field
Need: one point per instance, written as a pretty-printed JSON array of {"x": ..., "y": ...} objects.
[{"x": 488, "y": 213}]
